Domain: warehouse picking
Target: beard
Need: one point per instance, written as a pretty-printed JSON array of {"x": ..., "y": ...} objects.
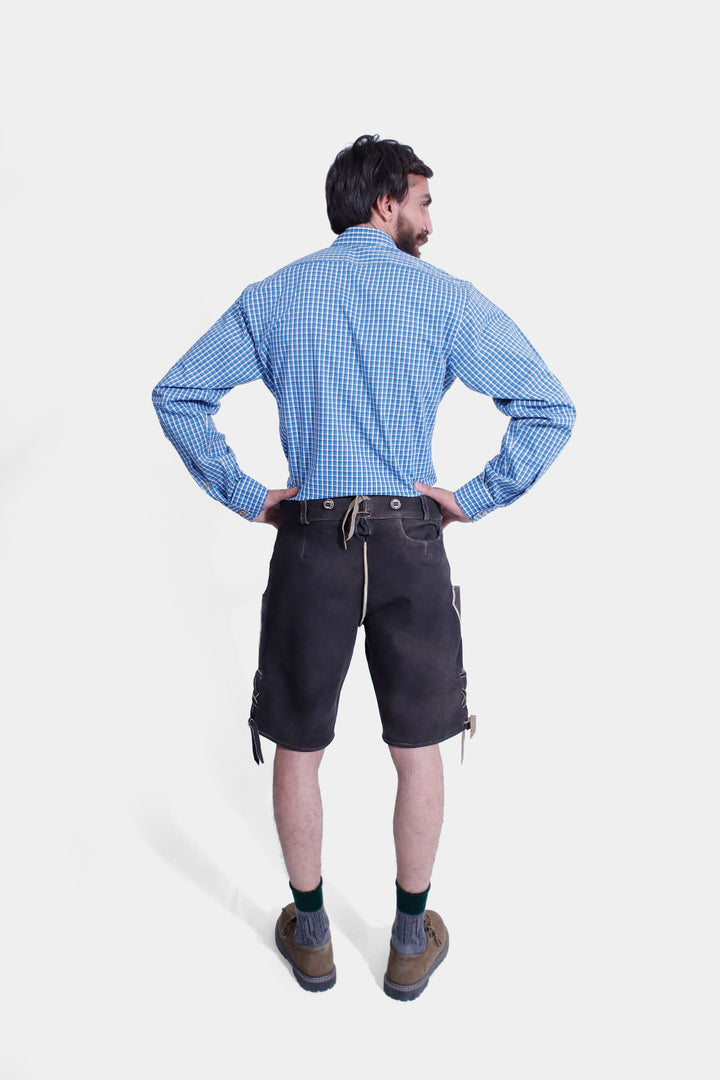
[{"x": 409, "y": 240}]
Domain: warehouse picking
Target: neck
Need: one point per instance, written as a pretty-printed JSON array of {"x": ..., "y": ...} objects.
[{"x": 376, "y": 222}]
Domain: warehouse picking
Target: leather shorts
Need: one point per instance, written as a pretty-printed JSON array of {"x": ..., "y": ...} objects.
[{"x": 378, "y": 562}]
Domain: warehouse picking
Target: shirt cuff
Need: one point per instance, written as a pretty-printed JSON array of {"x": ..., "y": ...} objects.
[
  {"x": 248, "y": 498},
  {"x": 474, "y": 499}
]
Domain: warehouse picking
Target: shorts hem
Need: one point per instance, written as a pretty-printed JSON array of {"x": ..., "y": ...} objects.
[
  {"x": 297, "y": 749},
  {"x": 426, "y": 742}
]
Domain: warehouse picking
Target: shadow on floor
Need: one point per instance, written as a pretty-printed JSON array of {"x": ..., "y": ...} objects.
[
  {"x": 372, "y": 942},
  {"x": 170, "y": 841}
]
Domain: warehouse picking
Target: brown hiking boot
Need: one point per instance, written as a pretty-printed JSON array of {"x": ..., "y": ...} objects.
[
  {"x": 312, "y": 965},
  {"x": 407, "y": 976}
]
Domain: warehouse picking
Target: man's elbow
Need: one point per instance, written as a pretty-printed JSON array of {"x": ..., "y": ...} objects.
[
  {"x": 566, "y": 416},
  {"x": 158, "y": 398}
]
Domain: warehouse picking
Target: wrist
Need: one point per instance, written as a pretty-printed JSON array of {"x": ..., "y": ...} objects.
[{"x": 474, "y": 500}]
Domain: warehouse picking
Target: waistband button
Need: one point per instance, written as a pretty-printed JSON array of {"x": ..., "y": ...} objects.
[
  {"x": 328, "y": 504},
  {"x": 395, "y": 504}
]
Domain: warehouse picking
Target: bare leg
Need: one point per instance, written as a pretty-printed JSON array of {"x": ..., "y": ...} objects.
[
  {"x": 418, "y": 814},
  {"x": 298, "y": 814}
]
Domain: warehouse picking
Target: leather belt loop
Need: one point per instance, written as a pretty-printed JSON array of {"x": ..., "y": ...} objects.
[
  {"x": 426, "y": 508},
  {"x": 303, "y": 513}
]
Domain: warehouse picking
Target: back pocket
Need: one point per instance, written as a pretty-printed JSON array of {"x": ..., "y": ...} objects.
[{"x": 420, "y": 531}]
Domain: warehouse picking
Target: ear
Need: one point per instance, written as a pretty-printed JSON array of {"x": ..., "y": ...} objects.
[{"x": 385, "y": 207}]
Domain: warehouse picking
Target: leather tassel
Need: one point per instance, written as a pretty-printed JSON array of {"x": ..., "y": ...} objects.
[{"x": 256, "y": 748}]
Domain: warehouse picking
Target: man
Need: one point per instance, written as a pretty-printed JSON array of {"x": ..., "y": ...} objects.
[{"x": 358, "y": 344}]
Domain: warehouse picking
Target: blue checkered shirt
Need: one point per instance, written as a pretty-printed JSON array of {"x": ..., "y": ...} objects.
[{"x": 358, "y": 343}]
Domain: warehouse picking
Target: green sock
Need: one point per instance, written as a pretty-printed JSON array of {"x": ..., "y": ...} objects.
[
  {"x": 411, "y": 903},
  {"x": 307, "y": 901},
  {"x": 313, "y": 926}
]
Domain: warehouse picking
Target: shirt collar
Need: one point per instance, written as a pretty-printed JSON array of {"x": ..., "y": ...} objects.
[{"x": 365, "y": 236}]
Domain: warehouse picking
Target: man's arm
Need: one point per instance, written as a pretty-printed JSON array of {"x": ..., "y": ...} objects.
[
  {"x": 492, "y": 356},
  {"x": 187, "y": 398}
]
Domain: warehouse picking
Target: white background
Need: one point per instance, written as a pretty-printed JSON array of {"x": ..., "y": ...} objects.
[{"x": 156, "y": 159}]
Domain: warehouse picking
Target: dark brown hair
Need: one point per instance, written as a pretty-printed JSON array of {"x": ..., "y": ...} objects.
[{"x": 364, "y": 172}]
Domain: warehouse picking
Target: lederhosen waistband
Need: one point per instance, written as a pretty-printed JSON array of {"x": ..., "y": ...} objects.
[{"x": 374, "y": 506}]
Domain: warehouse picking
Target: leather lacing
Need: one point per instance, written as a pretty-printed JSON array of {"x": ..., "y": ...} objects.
[
  {"x": 355, "y": 508},
  {"x": 430, "y": 929}
]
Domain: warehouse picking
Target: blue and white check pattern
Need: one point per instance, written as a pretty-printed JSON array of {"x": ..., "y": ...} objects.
[{"x": 358, "y": 343}]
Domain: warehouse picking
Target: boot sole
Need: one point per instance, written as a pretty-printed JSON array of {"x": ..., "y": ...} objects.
[
  {"x": 413, "y": 990},
  {"x": 313, "y": 983}
]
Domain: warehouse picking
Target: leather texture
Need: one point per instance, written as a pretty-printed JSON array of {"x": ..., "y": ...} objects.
[
  {"x": 313, "y": 966},
  {"x": 407, "y": 976}
]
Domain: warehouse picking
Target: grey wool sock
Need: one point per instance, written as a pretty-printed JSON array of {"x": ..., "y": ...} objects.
[
  {"x": 408, "y": 931},
  {"x": 408, "y": 934},
  {"x": 313, "y": 927}
]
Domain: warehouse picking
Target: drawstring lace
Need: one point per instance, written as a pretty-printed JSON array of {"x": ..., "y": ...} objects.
[
  {"x": 352, "y": 512},
  {"x": 348, "y": 530}
]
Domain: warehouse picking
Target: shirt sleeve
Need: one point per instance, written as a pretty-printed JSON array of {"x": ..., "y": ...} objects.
[
  {"x": 188, "y": 397},
  {"x": 492, "y": 356}
]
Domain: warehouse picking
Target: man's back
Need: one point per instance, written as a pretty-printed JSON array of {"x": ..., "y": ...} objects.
[
  {"x": 358, "y": 343},
  {"x": 353, "y": 343}
]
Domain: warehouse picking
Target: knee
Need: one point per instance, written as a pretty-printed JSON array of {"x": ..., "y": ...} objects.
[
  {"x": 297, "y": 761},
  {"x": 415, "y": 759}
]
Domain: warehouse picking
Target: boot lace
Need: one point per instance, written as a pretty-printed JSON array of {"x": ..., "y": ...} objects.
[{"x": 430, "y": 930}]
